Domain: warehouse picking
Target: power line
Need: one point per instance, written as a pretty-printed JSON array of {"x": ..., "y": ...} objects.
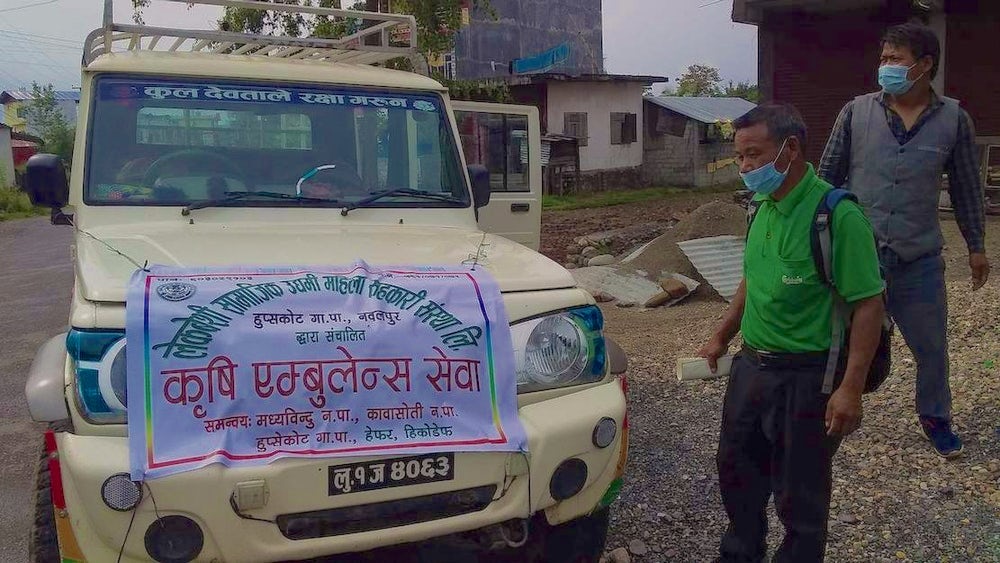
[
  {"x": 67, "y": 42},
  {"x": 77, "y": 49},
  {"x": 14, "y": 9},
  {"x": 39, "y": 53},
  {"x": 37, "y": 64},
  {"x": 34, "y": 44},
  {"x": 712, "y": 3},
  {"x": 42, "y": 76}
]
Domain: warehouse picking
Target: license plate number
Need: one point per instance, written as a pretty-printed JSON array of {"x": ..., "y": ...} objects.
[{"x": 396, "y": 472}]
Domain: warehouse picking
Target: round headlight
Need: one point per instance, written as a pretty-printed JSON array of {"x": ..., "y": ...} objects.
[
  {"x": 120, "y": 492},
  {"x": 556, "y": 351},
  {"x": 111, "y": 376}
]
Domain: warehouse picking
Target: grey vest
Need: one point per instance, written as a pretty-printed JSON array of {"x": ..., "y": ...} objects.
[{"x": 899, "y": 185}]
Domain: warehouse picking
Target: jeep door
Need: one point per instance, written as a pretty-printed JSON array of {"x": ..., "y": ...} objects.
[{"x": 506, "y": 139}]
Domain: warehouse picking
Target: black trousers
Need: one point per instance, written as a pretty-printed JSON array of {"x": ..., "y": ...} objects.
[{"x": 773, "y": 441}]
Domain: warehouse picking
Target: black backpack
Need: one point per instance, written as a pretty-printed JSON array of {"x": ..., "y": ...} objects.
[{"x": 821, "y": 241}]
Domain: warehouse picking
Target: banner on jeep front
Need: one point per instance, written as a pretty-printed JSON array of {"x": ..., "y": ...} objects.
[{"x": 249, "y": 365}]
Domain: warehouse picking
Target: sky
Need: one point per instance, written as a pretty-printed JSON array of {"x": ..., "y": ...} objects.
[{"x": 42, "y": 40}]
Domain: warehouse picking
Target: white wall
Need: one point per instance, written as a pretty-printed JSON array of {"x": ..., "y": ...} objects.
[
  {"x": 598, "y": 100},
  {"x": 6, "y": 158}
]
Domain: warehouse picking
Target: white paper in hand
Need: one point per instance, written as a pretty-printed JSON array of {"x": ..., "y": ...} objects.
[{"x": 690, "y": 369}]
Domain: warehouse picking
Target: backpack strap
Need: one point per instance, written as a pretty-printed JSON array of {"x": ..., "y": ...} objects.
[
  {"x": 822, "y": 243},
  {"x": 751, "y": 213}
]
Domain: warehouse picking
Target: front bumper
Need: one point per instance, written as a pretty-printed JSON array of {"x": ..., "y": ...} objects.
[{"x": 515, "y": 485}]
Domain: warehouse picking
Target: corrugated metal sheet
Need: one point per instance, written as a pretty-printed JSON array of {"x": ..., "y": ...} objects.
[
  {"x": 719, "y": 260},
  {"x": 702, "y": 108},
  {"x": 60, "y": 95}
]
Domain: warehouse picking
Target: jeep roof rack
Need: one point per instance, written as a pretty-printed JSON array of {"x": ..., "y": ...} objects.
[{"x": 371, "y": 45}]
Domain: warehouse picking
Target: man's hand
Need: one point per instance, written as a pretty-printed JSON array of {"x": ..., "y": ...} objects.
[
  {"x": 980, "y": 266},
  {"x": 843, "y": 412},
  {"x": 712, "y": 351}
]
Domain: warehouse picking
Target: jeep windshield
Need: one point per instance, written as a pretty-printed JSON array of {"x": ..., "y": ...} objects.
[{"x": 238, "y": 144}]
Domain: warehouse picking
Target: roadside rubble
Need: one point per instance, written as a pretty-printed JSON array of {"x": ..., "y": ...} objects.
[
  {"x": 600, "y": 249},
  {"x": 608, "y": 283},
  {"x": 645, "y": 266}
]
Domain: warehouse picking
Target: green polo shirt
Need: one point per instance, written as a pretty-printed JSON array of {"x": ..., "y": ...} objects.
[{"x": 788, "y": 307}]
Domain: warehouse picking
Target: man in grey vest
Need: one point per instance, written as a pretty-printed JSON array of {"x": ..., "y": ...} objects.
[{"x": 891, "y": 148}]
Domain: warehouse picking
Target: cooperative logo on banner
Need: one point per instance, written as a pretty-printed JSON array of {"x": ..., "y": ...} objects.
[{"x": 176, "y": 291}]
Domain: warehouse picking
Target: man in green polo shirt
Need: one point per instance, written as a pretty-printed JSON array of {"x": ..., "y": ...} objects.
[{"x": 779, "y": 430}]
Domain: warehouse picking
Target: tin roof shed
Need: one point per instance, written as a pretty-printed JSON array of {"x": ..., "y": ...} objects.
[{"x": 704, "y": 108}]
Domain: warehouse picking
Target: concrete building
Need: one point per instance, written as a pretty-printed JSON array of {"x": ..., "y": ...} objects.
[
  {"x": 684, "y": 142},
  {"x": 602, "y": 111},
  {"x": 560, "y": 36}
]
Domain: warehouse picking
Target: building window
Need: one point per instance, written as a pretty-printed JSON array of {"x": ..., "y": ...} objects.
[
  {"x": 450, "y": 68},
  {"x": 623, "y": 128},
  {"x": 575, "y": 125}
]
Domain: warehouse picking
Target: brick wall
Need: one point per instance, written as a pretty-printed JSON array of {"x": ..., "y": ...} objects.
[
  {"x": 715, "y": 152},
  {"x": 611, "y": 180},
  {"x": 820, "y": 62},
  {"x": 681, "y": 160},
  {"x": 971, "y": 74},
  {"x": 669, "y": 160}
]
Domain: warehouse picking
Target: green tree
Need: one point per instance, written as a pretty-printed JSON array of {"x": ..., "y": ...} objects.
[
  {"x": 46, "y": 119},
  {"x": 744, "y": 90},
  {"x": 699, "y": 80}
]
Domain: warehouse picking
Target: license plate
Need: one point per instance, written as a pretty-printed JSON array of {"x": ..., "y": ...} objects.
[{"x": 396, "y": 472}]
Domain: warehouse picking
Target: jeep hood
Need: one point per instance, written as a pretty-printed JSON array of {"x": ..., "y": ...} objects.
[{"x": 103, "y": 274}]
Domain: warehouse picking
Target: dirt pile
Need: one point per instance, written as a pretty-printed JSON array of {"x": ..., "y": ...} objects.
[
  {"x": 662, "y": 256},
  {"x": 711, "y": 220}
]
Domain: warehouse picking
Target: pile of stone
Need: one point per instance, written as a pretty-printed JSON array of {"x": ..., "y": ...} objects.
[{"x": 601, "y": 249}]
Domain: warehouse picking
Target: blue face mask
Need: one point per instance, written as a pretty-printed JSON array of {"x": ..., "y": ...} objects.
[
  {"x": 767, "y": 179},
  {"x": 894, "y": 79}
]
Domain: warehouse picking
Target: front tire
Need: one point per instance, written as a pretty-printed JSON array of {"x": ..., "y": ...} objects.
[
  {"x": 577, "y": 541},
  {"x": 43, "y": 544}
]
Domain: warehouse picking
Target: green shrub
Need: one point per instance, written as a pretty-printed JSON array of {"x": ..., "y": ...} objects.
[{"x": 14, "y": 202}]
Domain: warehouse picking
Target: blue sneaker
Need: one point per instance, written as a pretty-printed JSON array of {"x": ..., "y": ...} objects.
[{"x": 938, "y": 431}]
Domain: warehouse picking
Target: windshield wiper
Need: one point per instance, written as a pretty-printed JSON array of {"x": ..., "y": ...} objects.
[
  {"x": 419, "y": 194},
  {"x": 232, "y": 197}
]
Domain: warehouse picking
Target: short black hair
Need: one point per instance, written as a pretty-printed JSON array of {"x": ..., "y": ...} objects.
[
  {"x": 782, "y": 121},
  {"x": 918, "y": 38}
]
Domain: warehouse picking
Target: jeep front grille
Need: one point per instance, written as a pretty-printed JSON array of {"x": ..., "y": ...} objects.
[{"x": 390, "y": 514}]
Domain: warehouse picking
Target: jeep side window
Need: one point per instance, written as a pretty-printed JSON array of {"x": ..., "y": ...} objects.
[{"x": 499, "y": 142}]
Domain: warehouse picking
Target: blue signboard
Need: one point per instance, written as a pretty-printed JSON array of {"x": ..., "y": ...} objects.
[{"x": 541, "y": 62}]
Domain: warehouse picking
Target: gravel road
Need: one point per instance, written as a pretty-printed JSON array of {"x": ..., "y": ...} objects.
[
  {"x": 894, "y": 500},
  {"x": 35, "y": 284}
]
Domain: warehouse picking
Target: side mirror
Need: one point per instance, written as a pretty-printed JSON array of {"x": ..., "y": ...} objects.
[
  {"x": 480, "y": 178},
  {"x": 46, "y": 181}
]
